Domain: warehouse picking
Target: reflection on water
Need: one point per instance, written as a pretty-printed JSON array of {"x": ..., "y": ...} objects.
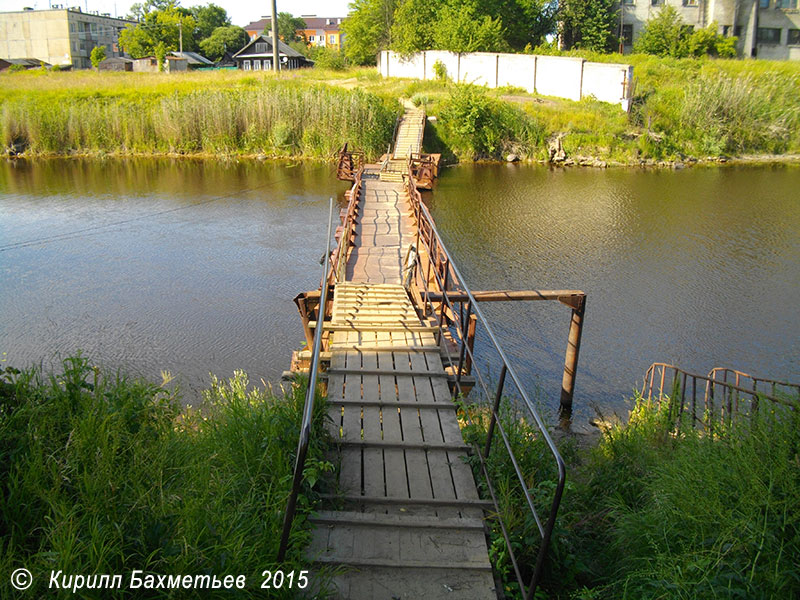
[
  {"x": 191, "y": 266},
  {"x": 185, "y": 266},
  {"x": 698, "y": 267}
]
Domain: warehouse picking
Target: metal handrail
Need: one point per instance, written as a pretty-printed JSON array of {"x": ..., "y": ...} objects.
[
  {"x": 308, "y": 408},
  {"x": 339, "y": 257},
  {"x": 728, "y": 396},
  {"x": 451, "y": 276}
]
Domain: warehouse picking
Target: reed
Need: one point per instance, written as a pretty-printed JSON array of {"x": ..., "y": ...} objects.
[{"x": 271, "y": 117}]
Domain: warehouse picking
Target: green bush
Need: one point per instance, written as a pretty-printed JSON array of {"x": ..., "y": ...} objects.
[{"x": 479, "y": 126}]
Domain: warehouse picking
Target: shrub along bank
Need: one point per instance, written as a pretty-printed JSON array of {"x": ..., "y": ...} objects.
[{"x": 103, "y": 475}]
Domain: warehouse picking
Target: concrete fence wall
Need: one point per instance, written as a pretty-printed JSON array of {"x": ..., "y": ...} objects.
[{"x": 561, "y": 76}]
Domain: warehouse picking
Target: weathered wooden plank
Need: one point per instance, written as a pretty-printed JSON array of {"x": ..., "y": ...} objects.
[
  {"x": 374, "y": 483},
  {"x": 394, "y": 459}
]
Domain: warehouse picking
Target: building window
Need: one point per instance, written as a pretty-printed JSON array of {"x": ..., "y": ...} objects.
[
  {"x": 627, "y": 34},
  {"x": 793, "y": 39},
  {"x": 737, "y": 31},
  {"x": 768, "y": 35},
  {"x": 331, "y": 39},
  {"x": 311, "y": 39},
  {"x": 261, "y": 47},
  {"x": 786, "y": 4},
  {"x": 246, "y": 65},
  {"x": 656, "y": 2},
  {"x": 629, "y": 2},
  {"x": 256, "y": 65},
  {"x": 763, "y": 3},
  {"x": 690, "y": 2}
]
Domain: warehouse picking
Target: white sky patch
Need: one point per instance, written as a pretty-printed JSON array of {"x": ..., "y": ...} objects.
[{"x": 241, "y": 12}]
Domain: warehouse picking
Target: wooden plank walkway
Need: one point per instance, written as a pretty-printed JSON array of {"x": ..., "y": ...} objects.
[{"x": 409, "y": 522}]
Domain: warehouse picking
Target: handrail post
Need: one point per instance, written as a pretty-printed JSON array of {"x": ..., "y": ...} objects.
[
  {"x": 495, "y": 408},
  {"x": 571, "y": 356},
  {"x": 308, "y": 408},
  {"x": 464, "y": 329}
]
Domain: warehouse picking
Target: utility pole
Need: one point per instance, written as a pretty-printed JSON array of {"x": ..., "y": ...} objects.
[
  {"x": 275, "y": 61},
  {"x": 180, "y": 36}
]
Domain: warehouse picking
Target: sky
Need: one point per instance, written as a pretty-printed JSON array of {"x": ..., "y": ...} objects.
[{"x": 241, "y": 12}]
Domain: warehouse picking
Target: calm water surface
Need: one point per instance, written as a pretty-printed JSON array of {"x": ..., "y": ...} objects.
[{"x": 191, "y": 266}]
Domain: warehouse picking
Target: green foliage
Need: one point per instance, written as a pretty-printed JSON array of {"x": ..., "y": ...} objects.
[
  {"x": 667, "y": 35},
  {"x": 159, "y": 26},
  {"x": 589, "y": 24},
  {"x": 16, "y": 68},
  {"x": 470, "y": 25},
  {"x": 664, "y": 35},
  {"x": 368, "y": 28},
  {"x": 288, "y": 26},
  {"x": 230, "y": 39},
  {"x": 440, "y": 70},
  {"x": 160, "y": 52},
  {"x": 327, "y": 58},
  {"x": 461, "y": 28},
  {"x": 708, "y": 41},
  {"x": 208, "y": 19},
  {"x": 652, "y": 511},
  {"x": 101, "y": 474},
  {"x": 414, "y": 26},
  {"x": 97, "y": 55},
  {"x": 475, "y": 125}
]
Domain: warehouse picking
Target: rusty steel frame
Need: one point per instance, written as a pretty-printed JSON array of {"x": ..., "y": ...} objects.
[{"x": 730, "y": 396}]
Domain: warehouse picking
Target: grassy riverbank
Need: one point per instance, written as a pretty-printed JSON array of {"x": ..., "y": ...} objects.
[
  {"x": 101, "y": 474},
  {"x": 683, "y": 109},
  {"x": 648, "y": 513},
  {"x": 209, "y": 113}
]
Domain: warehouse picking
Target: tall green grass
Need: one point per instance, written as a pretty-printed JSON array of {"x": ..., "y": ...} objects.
[
  {"x": 652, "y": 513},
  {"x": 276, "y": 118},
  {"x": 103, "y": 475}
]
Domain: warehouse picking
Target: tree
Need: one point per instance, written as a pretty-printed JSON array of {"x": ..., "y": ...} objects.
[
  {"x": 368, "y": 29},
  {"x": 230, "y": 38},
  {"x": 288, "y": 26},
  {"x": 708, "y": 41},
  {"x": 207, "y": 19},
  {"x": 589, "y": 24},
  {"x": 664, "y": 35},
  {"x": 460, "y": 28},
  {"x": 414, "y": 26},
  {"x": 98, "y": 55},
  {"x": 158, "y": 26}
]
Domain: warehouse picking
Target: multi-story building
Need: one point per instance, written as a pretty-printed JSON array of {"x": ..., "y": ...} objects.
[
  {"x": 319, "y": 31},
  {"x": 765, "y": 28},
  {"x": 59, "y": 36}
]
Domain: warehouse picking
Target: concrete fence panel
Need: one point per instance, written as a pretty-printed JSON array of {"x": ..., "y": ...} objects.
[
  {"x": 479, "y": 68},
  {"x": 518, "y": 70},
  {"x": 450, "y": 61},
  {"x": 412, "y": 66},
  {"x": 559, "y": 76},
  {"x": 606, "y": 82}
]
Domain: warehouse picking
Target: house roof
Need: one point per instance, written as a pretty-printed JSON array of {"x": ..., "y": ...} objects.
[
  {"x": 264, "y": 23},
  {"x": 116, "y": 59},
  {"x": 282, "y": 48},
  {"x": 26, "y": 62},
  {"x": 194, "y": 58}
]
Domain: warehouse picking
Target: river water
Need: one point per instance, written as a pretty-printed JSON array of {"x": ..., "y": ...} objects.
[{"x": 191, "y": 266}]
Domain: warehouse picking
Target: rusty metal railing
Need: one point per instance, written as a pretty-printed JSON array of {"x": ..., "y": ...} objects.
[
  {"x": 308, "y": 408},
  {"x": 436, "y": 274},
  {"x": 720, "y": 399}
]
